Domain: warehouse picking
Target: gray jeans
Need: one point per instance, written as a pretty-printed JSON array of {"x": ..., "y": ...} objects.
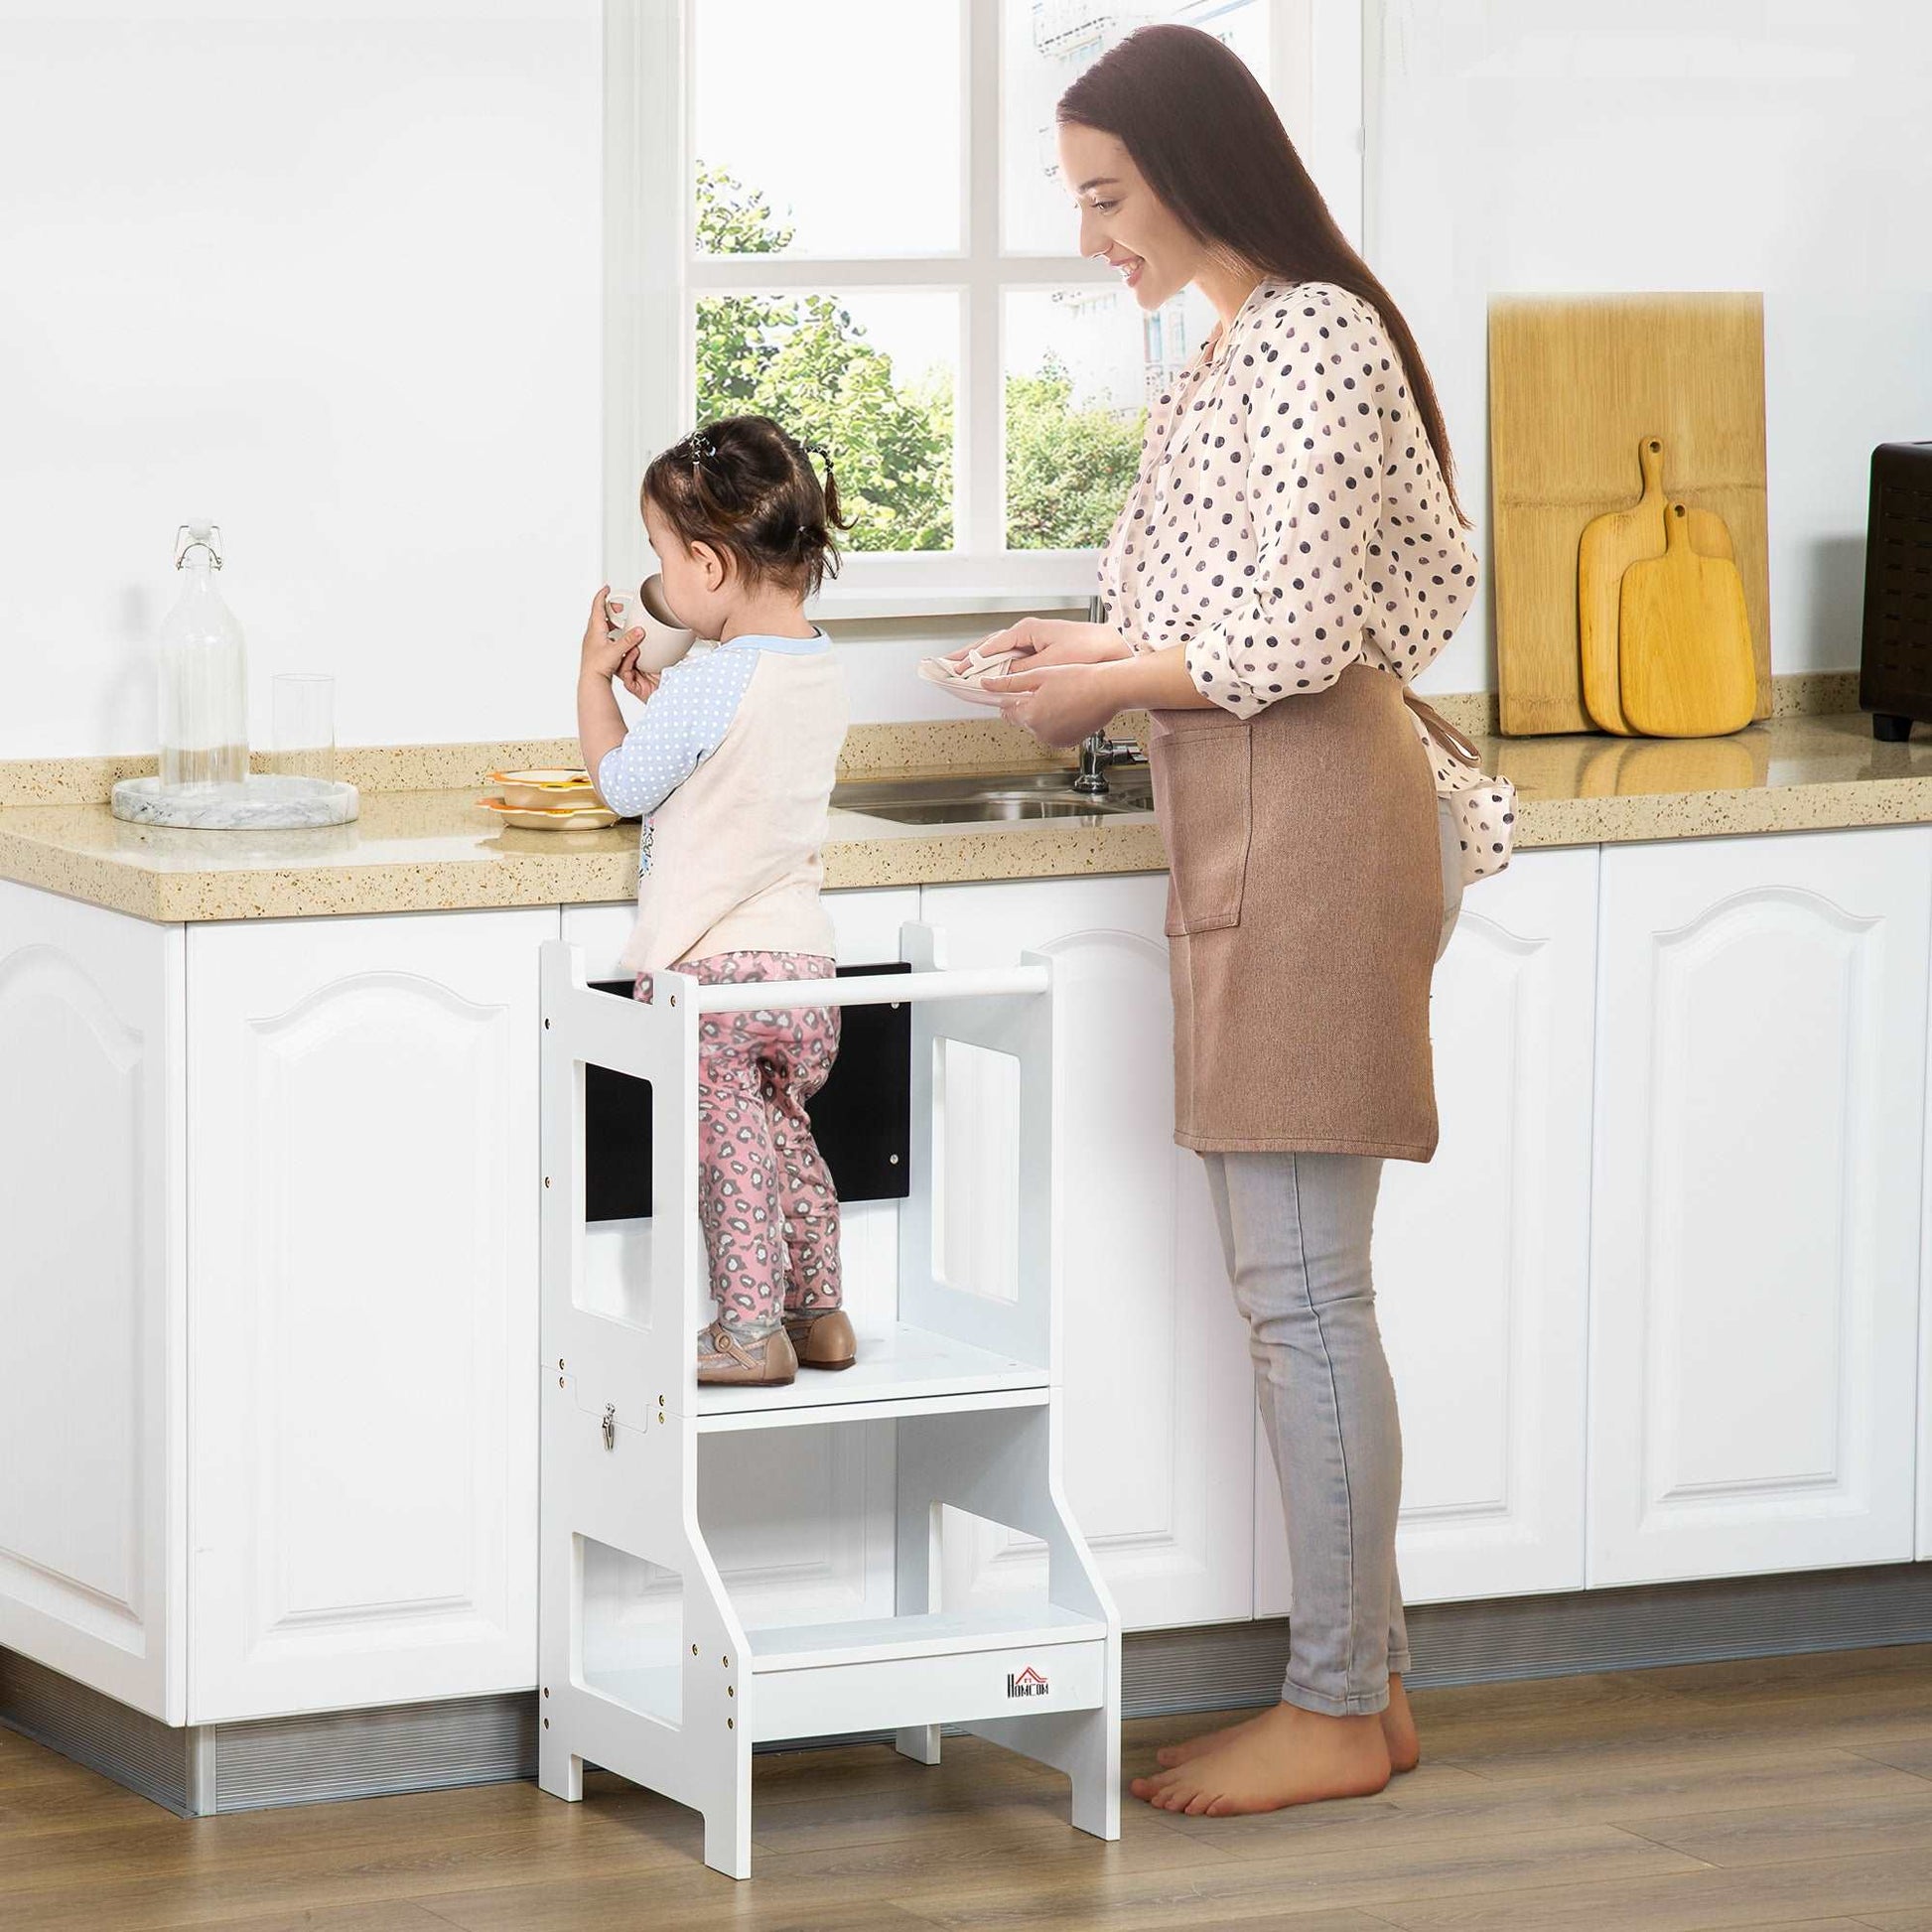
[{"x": 1295, "y": 1228}]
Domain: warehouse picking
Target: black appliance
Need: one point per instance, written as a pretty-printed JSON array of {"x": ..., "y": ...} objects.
[{"x": 1895, "y": 663}]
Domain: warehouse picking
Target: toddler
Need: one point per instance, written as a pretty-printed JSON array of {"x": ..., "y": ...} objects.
[{"x": 730, "y": 768}]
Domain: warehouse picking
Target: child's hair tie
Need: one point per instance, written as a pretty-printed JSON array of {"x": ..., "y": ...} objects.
[
  {"x": 701, "y": 446},
  {"x": 818, "y": 450}
]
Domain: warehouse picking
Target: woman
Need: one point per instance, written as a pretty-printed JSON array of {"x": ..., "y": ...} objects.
[{"x": 1291, "y": 554}]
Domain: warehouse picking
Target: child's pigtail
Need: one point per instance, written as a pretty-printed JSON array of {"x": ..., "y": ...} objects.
[
  {"x": 832, "y": 515},
  {"x": 816, "y": 543},
  {"x": 829, "y": 489}
]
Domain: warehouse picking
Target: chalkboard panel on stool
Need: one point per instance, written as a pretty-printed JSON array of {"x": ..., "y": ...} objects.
[{"x": 861, "y": 1116}]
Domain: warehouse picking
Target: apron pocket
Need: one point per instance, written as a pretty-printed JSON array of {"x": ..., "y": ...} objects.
[{"x": 1202, "y": 800}]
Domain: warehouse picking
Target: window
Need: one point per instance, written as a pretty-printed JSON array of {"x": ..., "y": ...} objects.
[{"x": 871, "y": 243}]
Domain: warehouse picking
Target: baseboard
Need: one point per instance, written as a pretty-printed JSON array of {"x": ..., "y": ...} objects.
[
  {"x": 198, "y": 1770},
  {"x": 1212, "y": 1667},
  {"x": 1217, "y": 1667}
]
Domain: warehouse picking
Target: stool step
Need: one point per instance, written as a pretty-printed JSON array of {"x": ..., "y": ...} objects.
[
  {"x": 900, "y": 1370},
  {"x": 951, "y": 1667},
  {"x": 938, "y": 1634}
]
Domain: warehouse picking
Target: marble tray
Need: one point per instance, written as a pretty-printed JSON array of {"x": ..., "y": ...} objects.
[{"x": 261, "y": 802}]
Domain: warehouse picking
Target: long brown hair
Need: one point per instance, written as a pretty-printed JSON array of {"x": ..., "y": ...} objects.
[
  {"x": 746, "y": 487},
  {"x": 1203, "y": 133}
]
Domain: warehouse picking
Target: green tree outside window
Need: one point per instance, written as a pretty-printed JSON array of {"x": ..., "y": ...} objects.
[
  {"x": 804, "y": 360},
  {"x": 1068, "y": 470}
]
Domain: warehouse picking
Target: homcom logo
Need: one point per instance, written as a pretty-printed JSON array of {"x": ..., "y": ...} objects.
[{"x": 1028, "y": 1684}]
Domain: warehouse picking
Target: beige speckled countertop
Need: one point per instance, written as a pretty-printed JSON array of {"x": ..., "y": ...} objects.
[
  {"x": 437, "y": 851},
  {"x": 433, "y": 849}
]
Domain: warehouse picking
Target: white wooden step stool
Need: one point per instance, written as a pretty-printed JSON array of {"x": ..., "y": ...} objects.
[{"x": 969, "y": 1382}]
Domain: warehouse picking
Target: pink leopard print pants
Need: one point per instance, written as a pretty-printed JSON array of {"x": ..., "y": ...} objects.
[{"x": 767, "y": 1203}]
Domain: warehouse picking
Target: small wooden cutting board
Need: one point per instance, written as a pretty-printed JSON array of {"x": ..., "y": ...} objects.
[{"x": 1684, "y": 641}]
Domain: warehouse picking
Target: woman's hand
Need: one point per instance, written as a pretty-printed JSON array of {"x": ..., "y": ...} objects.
[
  {"x": 1059, "y": 705},
  {"x": 603, "y": 655},
  {"x": 1052, "y": 640}
]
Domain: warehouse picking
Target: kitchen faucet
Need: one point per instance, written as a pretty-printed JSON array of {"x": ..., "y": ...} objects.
[{"x": 1099, "y": 751}]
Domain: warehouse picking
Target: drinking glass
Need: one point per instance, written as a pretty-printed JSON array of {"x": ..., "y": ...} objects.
[{"x": 305, "y": 724}]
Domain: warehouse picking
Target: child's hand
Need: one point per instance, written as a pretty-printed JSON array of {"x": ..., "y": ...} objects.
[
  {"x": 604, "y": 654},
  {"x": 637, "y": 681}
]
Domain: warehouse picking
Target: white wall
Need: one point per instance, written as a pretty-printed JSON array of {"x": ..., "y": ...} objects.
[
  {"x": 329, "y": 273},
  {"x": 1641, "y": 144}
]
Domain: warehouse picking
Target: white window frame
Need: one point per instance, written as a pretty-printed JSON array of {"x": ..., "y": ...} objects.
[{"x": 654, "y": 277}]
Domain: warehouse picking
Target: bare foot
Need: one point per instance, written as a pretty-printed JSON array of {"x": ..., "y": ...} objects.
[
  {"x": 1398, "y": 1728},
  {"x": 1286, "y": 1756},
  {"x": 1169, "y": 1757}
]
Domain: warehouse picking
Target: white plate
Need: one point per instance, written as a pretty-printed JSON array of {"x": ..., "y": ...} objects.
[
  {"x": 966, "y": 690},
  {"x": 544, "y": 774},
  {"x": 557, "y": 819}
]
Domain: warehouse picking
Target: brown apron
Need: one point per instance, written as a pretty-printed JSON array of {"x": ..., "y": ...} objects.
[{"x": 1305, "y": 903}]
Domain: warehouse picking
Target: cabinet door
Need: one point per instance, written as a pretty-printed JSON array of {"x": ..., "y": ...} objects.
[
  {"x": 362, "y": 1234},
  {"x": 93, "y": 1510},
  {"x": 1481, "y": 1258},
  {"x": 801, "y": 1520},
  {"x": 1753, "y": 1290},
  {"x": 1159, "y": 1403}
]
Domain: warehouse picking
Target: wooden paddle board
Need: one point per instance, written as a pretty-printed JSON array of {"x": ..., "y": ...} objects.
[{"x": 1684, "y": 641}]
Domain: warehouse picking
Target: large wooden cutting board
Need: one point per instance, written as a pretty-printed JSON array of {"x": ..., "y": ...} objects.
[{"x": 1575, "y": 383}]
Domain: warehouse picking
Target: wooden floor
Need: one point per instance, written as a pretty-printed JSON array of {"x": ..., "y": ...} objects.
[{"x": 1794, "y": 1792}]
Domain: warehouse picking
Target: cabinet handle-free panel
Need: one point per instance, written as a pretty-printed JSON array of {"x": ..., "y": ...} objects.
[
  {"x": 364, "y": 1186},
  {"x": 1755, "y": 1254},
  {"x": 92, "y": 1424}
]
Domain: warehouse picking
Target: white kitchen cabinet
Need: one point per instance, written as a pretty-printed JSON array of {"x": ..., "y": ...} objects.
[
  {"x": 1760, "y": 1135},
  {"x": 801, "y": 1520},
  {"x": 92, "y": 1419},
  {"x": 1481, "y": 1258},
  {"x": 1158, "y": 1406},
  {"x": 361, "y": 1126},
  {"x": 1923, "y": 1546}
]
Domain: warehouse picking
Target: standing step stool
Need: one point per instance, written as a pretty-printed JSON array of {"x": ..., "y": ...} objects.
[{"x": 970, "y": 1384}]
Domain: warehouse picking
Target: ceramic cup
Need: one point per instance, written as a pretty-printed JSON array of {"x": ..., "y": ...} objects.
[{"x": 665, "y": 640}]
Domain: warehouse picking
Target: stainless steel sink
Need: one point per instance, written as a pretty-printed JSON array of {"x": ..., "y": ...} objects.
[{"x": 1030, "y": 796}]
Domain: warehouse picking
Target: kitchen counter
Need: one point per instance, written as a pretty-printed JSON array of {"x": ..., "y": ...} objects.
[
  {"x": 439, "y": 851},
  {"x": 435, "y": 850}
]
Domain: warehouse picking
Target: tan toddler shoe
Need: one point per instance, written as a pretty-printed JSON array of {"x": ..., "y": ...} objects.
[
  {"x": 822, "y": 1337},
  {"x": 767, "y": 1362}
]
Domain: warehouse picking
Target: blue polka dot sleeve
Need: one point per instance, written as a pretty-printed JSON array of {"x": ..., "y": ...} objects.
[{"x": 683, "y": 724}]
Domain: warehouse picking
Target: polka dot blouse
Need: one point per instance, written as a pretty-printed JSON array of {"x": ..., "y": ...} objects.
[{"x": 1289, "y": 518}]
